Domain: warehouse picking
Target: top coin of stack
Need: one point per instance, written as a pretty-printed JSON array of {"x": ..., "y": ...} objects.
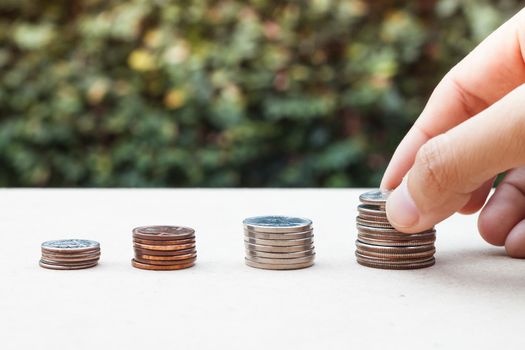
[
  {"x": 380, "y": 245},
  {"x": 164, "y": 247},
  {"x": 278, "y": 242},
  {"x": 70, "y": 254}
]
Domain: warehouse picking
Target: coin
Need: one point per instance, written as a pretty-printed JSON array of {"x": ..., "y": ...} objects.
[
  {"x": 393, "y": 266},
  {"x": 371, "y": 210},
  {"x": 277, "y": 249},
  {"x": 373, "y": 223},
  {"x": 70, "y": 245},
  {"x": 280, "y": 236},
  {"x": 174, "y": 247},
  {"x": 383, "y": 231},
  {"x": 166, "y": 262},
  {"x": 277, "y": 224},
  {"x": 281, "y": 261},
  {"x": 279, "y": 242},
  {"x": 141, "y": 251},
  {"x": 278, "y": 266},
  {"x": 62, "y": 267},
  {"x": 375, "y": 197},
  {"x": 393, "y": 250},
  {"x": 163, "y": 232},
  {"x": 164, "y": 242},
  {"x": 140, "y": 265},
  {"x": 280, "y": 255},
  {"x": 165, "y": 258}
]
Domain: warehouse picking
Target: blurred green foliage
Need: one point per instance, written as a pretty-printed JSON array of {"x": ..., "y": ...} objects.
[{"x": 221, "y": 93}]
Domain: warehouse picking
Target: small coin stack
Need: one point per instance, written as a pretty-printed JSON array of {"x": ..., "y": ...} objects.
[
  {"x": 380, "y": 245},
  {"x": 278, "y": 242},
  {"x": 164, "y": 247},
  {"x": 70, "y": 254}
]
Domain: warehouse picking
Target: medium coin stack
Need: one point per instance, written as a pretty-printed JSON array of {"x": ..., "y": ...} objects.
[
  {"x": 164, "y": 247},
  {"x": 278, "y": 242},
  {"x": 69, "y": 254},
  {"x": 380, "y": 245}
]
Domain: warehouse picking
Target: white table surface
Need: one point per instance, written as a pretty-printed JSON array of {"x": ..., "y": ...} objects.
[{"x": 474, "y": 297}]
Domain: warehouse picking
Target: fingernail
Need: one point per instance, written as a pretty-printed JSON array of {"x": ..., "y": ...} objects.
[{"x": 401, "y": 208}]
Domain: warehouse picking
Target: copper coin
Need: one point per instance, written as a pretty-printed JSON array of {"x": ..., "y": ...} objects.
[
  {"x": 165, "y": 247},
  {"x": 279, "y": 242},
  {"x": 394, "y": 266},
  {"x": 157, "y": 242},
  {"x": 62, "y": 267},
  {"x": 140, "y": 265},
  {"x": 164, "y": 262},
  {"x": 139, "y": 251},
  {"x": 165, "y": 233},
  {"x": 165, "y": 258}
]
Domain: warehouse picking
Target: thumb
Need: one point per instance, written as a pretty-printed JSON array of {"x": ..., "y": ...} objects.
[{"x": 450, "y": 167}]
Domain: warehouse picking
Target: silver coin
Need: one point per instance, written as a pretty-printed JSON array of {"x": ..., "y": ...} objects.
[
  {"x": 284, "y": 261},
  {"x": 383, "y": 259},
  {"x": 279, "y": 236},
  {"x": 393, "y": 266},
  {"x": 279, "y": 242},
  {"x": 394, "y": 243},
  {"x": 397, "y": 256},
  {"x": 373, "y": 218},
  {"x": 277, "y": 249},
  {"x": 278, "y": 266},
  {"x": 373, "y": 223},
  {"x": 280, "y": 255},
  {"x": 382, "y": 230},
  {"x": 63, "y": 267},
  {"x": 393, "y": 250},
  {"x": 375, "y": 197},
  {"x": 371, "y": 210},
  {"x": 70, "y": 245},
  {"x": 398, "y": 236},
  {"x": 276, "y": 224}
]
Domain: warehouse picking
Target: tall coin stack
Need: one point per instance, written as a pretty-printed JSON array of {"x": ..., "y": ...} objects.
[
  {"x": 164, "y": 247},
  {"x": 278, "y": 242},
  {"x": 70, "y": 254},
  {"x": 380, "y": 245}
]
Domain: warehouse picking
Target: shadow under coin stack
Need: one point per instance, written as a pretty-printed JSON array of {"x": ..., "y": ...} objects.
[
  {"x": 70, "y": 254},
  {"x": 278, "y": 242},
  {"x": 164, "y": 247},
  {"x": 380, "y": 245}
]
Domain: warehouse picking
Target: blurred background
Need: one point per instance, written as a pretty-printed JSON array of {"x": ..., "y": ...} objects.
[{"x": 183, "y": 93}]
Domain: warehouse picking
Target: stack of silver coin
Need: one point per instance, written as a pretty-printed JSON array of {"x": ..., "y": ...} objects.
[
  {"x": 70, "y": 254},
  {"x": 278, "y": 242},
  {"x": 380, "y": 245}
]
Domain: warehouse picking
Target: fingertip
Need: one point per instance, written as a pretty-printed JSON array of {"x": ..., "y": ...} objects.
[
  {"x": 515, "y": 242},
  {"x": 490, "y": 229}
]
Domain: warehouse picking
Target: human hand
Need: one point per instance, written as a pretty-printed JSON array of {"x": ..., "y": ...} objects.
[{"x": 472, "y": 128}]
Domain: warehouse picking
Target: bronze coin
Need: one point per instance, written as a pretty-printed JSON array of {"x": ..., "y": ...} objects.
[
  {"x": 139, "y": 251},
  {"x": 152, "y": 242},
  {"x": 166, "y": 258},
  {"x": 140, "y": 265},
  {"x": 163, "y": 233},
  {"x": 165, "y": 247},
  {"x": 166, "y": 262}
]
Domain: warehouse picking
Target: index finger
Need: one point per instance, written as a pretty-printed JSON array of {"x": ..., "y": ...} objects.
[{"x": 493, "y": 69}]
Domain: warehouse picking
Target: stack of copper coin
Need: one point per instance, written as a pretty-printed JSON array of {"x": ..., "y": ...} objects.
[
  {"x": 380, "y": 245},
  {"x": 278, "y": 242},
  {"x": 164, "y": 247},
  {"x": 70, "y": 254}
]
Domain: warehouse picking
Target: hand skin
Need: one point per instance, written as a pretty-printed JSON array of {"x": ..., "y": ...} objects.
[{"x": 472, "y": 129}]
